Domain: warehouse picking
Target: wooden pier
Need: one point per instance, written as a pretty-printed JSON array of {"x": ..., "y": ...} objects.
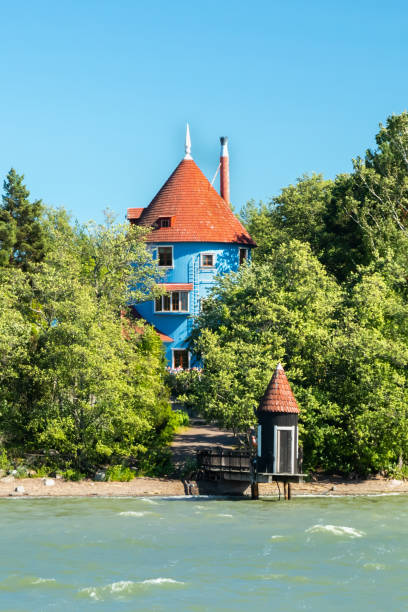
[{"x": 240, "y": 466}]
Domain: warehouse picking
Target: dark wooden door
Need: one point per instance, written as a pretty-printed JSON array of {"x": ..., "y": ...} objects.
[{"x": 284, "y": 462}]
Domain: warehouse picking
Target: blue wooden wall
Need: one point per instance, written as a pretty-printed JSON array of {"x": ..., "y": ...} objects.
[{"x": 187, "y": 268}]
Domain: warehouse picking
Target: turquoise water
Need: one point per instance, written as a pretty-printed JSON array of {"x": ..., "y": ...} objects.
[{"x": 204, "y": 554}]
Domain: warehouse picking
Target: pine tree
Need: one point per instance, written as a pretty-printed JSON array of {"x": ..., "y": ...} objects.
[{"x": 22, "y": 238}]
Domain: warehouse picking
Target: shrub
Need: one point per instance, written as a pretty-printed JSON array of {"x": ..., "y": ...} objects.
[
  {"x": 4, "y": 462},
  {"x": 21, "y": 472},
  {"x": 156, "y": 463},
  {"x": 71, "y": 474},
  {"x": 180, "y": 419},
  {"x": 189, "y": 469},
  {"x": 119, "y": 473},
  {"x": 174, "y": 420},
  {"x": 394, "y": 470},
  {"x": 42, "y": 471}
]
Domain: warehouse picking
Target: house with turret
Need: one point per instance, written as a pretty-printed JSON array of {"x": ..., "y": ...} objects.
[{"x": 194, "y": 237}]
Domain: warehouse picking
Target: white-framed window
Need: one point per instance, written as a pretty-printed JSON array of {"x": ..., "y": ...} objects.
[
  {"x": 207, "y": 260},
  {"x": 174, "y": 301},
  {"x": 165, "y": 256},
  {"x": 243, "y": 255},
  {"x": 284, "y": 440},
  {"x": 181, "y": 359}
]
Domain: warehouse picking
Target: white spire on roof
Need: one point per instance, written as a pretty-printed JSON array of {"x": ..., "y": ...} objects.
[
  {"x": 188, "y": 143},
  {"x": 279, "y": 366}
]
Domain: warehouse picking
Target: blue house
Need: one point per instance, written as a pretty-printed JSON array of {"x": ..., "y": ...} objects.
[{"x": 195, "y": 236}]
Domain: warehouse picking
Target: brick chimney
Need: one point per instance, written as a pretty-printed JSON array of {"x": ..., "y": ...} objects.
[{"x": 224, "y": 170}]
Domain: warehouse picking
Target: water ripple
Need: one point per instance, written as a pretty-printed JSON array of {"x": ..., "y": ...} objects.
[
  {"x": 125, "y": 588},
  {"x": 336, "y": 530}
]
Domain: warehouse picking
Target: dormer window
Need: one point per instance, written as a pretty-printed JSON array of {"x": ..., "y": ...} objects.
[
  {"x": 207, "y": 260},
  {"x": 164, "y": 222}
]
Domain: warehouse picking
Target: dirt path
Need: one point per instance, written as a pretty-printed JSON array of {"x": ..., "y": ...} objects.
[{"x": 199, "y": 436}]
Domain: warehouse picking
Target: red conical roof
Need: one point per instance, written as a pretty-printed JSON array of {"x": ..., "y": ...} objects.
[
  {"x": 278, "y": 396},
  {"x": 197, "y": 212}
]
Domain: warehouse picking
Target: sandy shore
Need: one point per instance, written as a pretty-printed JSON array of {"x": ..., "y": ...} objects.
[
  {"x": 339, "y": 486},
  {"x": 88, "y": 488},
  {"x": 139, "y": 487}
]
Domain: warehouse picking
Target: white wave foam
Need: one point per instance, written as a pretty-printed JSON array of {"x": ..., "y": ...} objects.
[
  {"x": 190, "y": 498},
  {"x": 43, "y": 580},
  {"x": 148, "y": 500},
  {"x": 374, "y": 566},
  {"x": 119, "y": 587},
  {"x": 382, "y": 494},
  {"x": 335, "y": 496},
  {"x": 225, "y": 515},
  {"x": 133, "y": 513},
  {"x": 277, "y": 537},
  {"x": 161, "y": 581},
  {"x": 92, "y": 592},
  {"x": 123, "y": 587},
  {"x": 337, "y": 530}
]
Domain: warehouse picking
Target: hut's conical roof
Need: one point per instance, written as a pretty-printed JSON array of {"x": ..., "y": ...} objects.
[{"x": 278, "y": 396}]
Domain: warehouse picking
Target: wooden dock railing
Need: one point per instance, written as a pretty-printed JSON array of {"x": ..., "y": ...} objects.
[{"x": 223, "y": 461}]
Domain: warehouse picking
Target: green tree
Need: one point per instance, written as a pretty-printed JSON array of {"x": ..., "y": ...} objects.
[
  {"x": 22, "y": 238},
  {"x": 278, "y": 310},
  {"x": 344, "y": 350},
  {"x": 92, "y": 387},
  {"x": 353, "y": 221},
  {"x": 15, "y": 341},
  {"x": 367, "y": 374},
  {"x": 297, "y": 213},
  {"x": 367, "y": 215}
]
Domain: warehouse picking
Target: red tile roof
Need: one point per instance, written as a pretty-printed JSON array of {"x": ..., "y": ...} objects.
[
  {"x": 200, "y": 214},
  {"x": 134, "y": 213},
  {"x": 278, "y": 396},
  {"x": 163, "y": 337},
  {"x": 176, "y": 286}
]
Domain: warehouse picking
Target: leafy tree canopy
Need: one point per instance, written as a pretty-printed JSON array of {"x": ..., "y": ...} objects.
[
  {"x": 326, "y": 294},
  {"x": 77, "y": 378},
  {"x": 22, "y": 236},
  {"x": 279, "y": 310}
]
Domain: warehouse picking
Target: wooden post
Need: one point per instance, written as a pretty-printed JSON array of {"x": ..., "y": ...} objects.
[
  {"x": 289, "y": 491},
  {"x": 254, "y": 490},
  {"x": 285, "y": 490}
]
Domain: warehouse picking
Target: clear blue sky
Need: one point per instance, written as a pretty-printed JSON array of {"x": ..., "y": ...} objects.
[{"x": 95, "y": 93}]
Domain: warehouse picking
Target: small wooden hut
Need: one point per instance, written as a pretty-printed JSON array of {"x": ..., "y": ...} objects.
[
  {"x": 278, "y": 428},
  {"x": 277, "y": 457}
]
